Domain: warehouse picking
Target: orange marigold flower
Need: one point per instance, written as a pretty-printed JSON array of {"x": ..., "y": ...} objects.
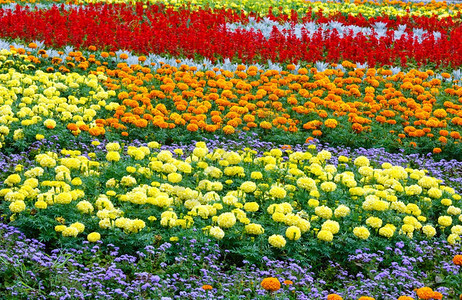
[
  {"x": 425, "y": 293},
  {"x": 317, "y": 132},
  {"x": 457, "y": 260},
  {"x": 123, "y": 56},
  {"x": 440, "y": 113},
  {"x": 331, "y": 123},
  {"x": 123, "y": 95},
  {"x": 437, "y": 295},
  {"x": 228, "y": 129},
  {"x": 357, "y": 127},
  {"x": 443, "y": 140},
  {"x": 271, "y": 284},
  {"x": 455, "y": 135},
  {"x": 72, "y": 126},
  {"x": 192, "y": 127},
  {"x": 405, "y": 298},
  {"x": 334, "y": 297},
  {"x": 437, "y": 150},
  {"x": 92, "y": 48},
  {"x": 365, "y": 298},
  {"x": 141, "y": 123},
  {"x": 288, "y": 282},
  {"x": 265, "y": 125},
  {"x": 207, "y": 287}
]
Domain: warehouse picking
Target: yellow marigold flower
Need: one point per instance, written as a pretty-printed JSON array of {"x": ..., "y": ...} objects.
[
  {"x": 303, "y": 224},
  {"x": 387, "y": 231},
  {"x": 254, "y": 229},
  {"x": 374, "y": 222},
  {"x": 429, "y": 231},
  {"x": 226, "y": 220},
  {"x": 313, "y": 202},
  {"x": 435, "y": 193},
  {"x": 293, "y": 233},
  {"x": 17, "y": 206},
  {"x": 445, "y": 221},
  {"x": 277, "y": 241},
  {"x": 63, "y": 198},
  {"x": 174, "y": 177},
  {"x": 341, "y": 211},
  {"x": 361, "y": 161},
  {"x": 452, "y": 210},
  {"x": 271, "y": 284},
  {"x": 457, "y": 229},
  {"x": 256, "y": 175},
  {"x": 361, "y": 232},
  {"x": 323, "y": 211},
  {"x": 60, "y": 228},
  {"x": 70, "y": 231},
  {"x": 79, "y": 226},
  {"x": 251, "y": 206},
  {"x": 325, "y": 235},
  {"x": 248, "y": 186},
  {"x": 12, "y": 179},
  {"x": 49, "y": 123},
  {"x": 93, "y": 237},
  {"x": 446, "y": 202},
  {"x": 41, "y": 204},
  {"x": 331, "y": 226},
  {"x": 453, "y": 238},
  {"x": 277, "y": 192},
  {"x": 328, "y": 186},
  {"x": 85, "y": 207},
  {"x": 113, "y": 156},
  {"x": 216, "y": 232}
]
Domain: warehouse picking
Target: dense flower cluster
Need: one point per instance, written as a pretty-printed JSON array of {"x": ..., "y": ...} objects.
[{"x": 191, "y": 135}]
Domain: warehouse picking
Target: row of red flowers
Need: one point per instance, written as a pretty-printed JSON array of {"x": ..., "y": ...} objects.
[{"x": 161, "y": 30}]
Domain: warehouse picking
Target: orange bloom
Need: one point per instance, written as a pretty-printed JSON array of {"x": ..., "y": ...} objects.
[
  {"x": 288, "y": 282},
  {"x": 317, "y": 132},
  {"x": 457, "y": 260},
  {"x": 207, "y": 287},
  {"x": 455, "y": 135},
  {"x": 228, "y": 129},
  {"x": 443, "y": 140},
  {"x": 265, "y": 125},
  {"x": 123, "y": 56},
  {"x": 365, "y": 298},
  {"x": 405, "y": 298},
  {"x": 331, "y": 123},
  {"x": 425, "y": 293},
  {"x": 271, "y": 284},
  {"x": 192, "y": 127},
  {"x": 437, "y": 150},
  {"x": 334, "y": 297},
  {"x": 72, "y": 127}
]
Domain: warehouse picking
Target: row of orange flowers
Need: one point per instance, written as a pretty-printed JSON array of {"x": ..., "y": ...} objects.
[{"x": 412, "y": 107}]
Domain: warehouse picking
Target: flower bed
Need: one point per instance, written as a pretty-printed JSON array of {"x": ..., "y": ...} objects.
[{"x": 217, "y": 150}]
